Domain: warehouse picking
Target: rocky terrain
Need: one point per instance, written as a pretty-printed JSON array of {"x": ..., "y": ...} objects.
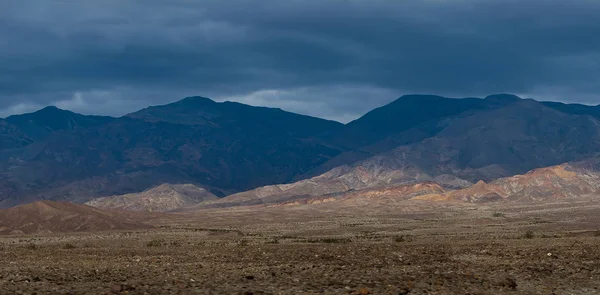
[
  {"x": 163, "y": 198},
  {"x": 395, "y": 247},
  {"x": 48, "y": 217}
]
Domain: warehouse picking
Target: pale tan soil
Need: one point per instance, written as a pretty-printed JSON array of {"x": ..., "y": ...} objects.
[{"x": 390, "y": 248}]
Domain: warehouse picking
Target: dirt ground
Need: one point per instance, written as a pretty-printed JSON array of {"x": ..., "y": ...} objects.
[{"x": 396, "y": 248}]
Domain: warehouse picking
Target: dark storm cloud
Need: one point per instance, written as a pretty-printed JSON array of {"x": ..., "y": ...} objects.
[{"x": 335, "y": 59}]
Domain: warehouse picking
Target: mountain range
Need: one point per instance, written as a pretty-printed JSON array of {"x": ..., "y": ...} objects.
[{"x": 259, "y": 155}]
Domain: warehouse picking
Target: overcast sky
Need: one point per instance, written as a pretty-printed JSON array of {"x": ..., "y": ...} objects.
[{"x": 328, "y": 58}]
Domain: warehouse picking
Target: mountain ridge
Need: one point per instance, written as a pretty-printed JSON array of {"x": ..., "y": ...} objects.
[
  {"x": 230, "y": 148},
  {"x": 163, "y": 198},
  {"x": 240, "y": 147}
]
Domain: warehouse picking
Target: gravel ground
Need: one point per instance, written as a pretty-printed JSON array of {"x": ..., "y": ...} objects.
[{"x": 524, "y": 251}]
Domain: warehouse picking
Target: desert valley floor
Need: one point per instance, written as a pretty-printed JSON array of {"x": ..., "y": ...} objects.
[{"x": 404, "y": 247}]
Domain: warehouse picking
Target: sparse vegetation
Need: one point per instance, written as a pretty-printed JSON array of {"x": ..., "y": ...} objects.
[
  {"x": 329, "y": 241},
  {"x": 243, "y": 243},
  {"x": 597, "y": 233},
  {"x": 154, "y": 243},
  {"x": 68, "y": 246},
  {"x": 498, "y": 214},
  {"x": 400, "y": 239},
  {"x": 529, "y": 234}
]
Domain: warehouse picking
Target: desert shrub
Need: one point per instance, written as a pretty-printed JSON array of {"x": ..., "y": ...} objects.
[
  {"x": 69, "y": 246},
  {"x": 597, "y": 233},
  {"x": 400, "y": 239},
  {"x": 243, "y": 242},
  {"x": 31, "y": 246},
  {"x": 498, "y": 214},
  {"x": 529, "y": 234},
  {"x": 273, "y": 241},
  {"x": 154, "y": 243},
  {"x": 330, "y": 241}
]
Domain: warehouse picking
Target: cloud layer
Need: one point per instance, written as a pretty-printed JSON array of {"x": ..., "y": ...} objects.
[{"x": 328, "y": 58}]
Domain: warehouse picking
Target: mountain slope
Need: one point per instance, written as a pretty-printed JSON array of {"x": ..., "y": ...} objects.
[
  {"x": 47, "y": 216},
  {"x": 574, "y": 108},
  {"x": 501, "y": 142},
  {"x": 230, "y": 147},
  {"x": 201, "y": 111},
  {"x": 12, "y": 137},
  {"x": 409, "y": 119},
  {"x": 224, "y": 147},
  {"x": 166, "y": 197},
  {"x": 413, "y": 118},
  {"x": 484, "y": 145},
  {"x": 39, "y": 124}
]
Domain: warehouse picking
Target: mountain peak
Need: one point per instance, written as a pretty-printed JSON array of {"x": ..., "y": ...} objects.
[
  {"x": 503, "y": 97},
  {"x": 163, "y": 198},
  {"x": 51, "y": 107},
  {"x": 421, "y": 96},
  {"x": 193, "y": 101},
  {"x": 51, "y": 110}
]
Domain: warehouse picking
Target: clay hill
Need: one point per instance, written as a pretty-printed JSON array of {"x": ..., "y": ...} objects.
[
  {"x": 166, "y": 197},
  {"x": 230, "y": 148},
  {"x": 373, "y": 195},
  {"x": 337, "y": 182},
  {"x": 556, "y": 182},
  {"x": 565, "y": 181},
  {"x": 48, "y": 216}
]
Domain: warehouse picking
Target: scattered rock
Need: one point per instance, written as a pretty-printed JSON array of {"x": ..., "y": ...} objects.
[
  {"x": 116, "y": 288},
  {"x": 508, "y": 282}
]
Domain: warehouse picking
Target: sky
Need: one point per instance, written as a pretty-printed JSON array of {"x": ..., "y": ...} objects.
[{"x": 335, "y": 59}]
